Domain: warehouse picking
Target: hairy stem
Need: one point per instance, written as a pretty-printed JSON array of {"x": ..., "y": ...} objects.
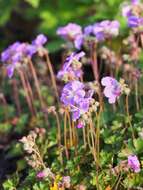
[
  {"x": 26, "y": 91},
  {"x": 53, "y": 79}
]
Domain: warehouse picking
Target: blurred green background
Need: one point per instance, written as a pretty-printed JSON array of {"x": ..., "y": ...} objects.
[{"x": 24, "y": 19}]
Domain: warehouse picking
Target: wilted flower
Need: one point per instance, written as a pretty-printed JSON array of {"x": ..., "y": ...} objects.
[
  {"x": 124, "y": 87},
  {"x": 33, "y": 158},
  {"x": 122, "y": 166},
  {"x": 134, "y": 163},
  {"x": 72, "y": 67},
  {"x": 70, "y": 31},
  {"x": 66, "y": 181},
  {"x": 112, "y": 89},
  {"x": 109, "y": 56},
  {"x": 52, "y": 109},
  {"x": 29, "y": 142},
  {"x": 81, "y": 187}
]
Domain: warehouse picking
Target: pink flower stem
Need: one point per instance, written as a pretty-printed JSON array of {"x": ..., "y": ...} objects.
[
  {"x": 75, "y": 141},
  {"x": 84, "y": 137},
  {"x": 70, "y": 128},
  {"x": 16, "y": 96},
  {"x": 128, "y": 115},
  {"x": 26, "y": 91},
  {"x": 95, "y": 69},
  {"x": 53, "y": 79},
  {"x": 37, "y": 85},
  {"x": 4, "y": 102},
  {"x": 93, "y": 140},
  {"x": 65, "y": 136},
  {"x": 136, "y": 95},
  {"x": 59, "y": 136},
  {"x": 29, "y": 90},
  {"x": 94, "y": 61}
]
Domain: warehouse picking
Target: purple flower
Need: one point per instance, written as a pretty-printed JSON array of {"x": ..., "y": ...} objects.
[
  {"x": 70, "y": 31},
  {"x": 88, "y": 30},
  {"x": 106, "y": 29},
  {"x": 80, "y": 109},
  {"x": 15, "y": 54},
  {"x": 6, "y": 54},
  {"x": 30, "y": 50},
  {"x": 78, "y": 41},
  {"x": 41, "y": 175},
  {"x": 72, "y": 93},
  {"x": 26, "y": 50},
  {"x": 112, "y": 89},
  {"x": 16, "y": 57},
  {"x": 135, "y": 1},
  {"x": 40, "y": 40},
  {"x": 126, "y": 10},
  {"x": 80, "y": 125},
  {"x": 74, "y": 56},
  {"x": 134, "y": 163},
  {"x": 10, "y": 70},
  {"x": 76, "y": 98},
  {"x": 72, "y": 67},
  {"x": 133, "y": 21},
  {"x": 45, "y": 173}
]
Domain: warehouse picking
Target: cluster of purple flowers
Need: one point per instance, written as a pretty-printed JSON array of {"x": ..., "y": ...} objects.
[
  {"x": 80, "y": 101},
  {"x": 101, "y": 31},
  {"x": 18, "y": 53},
  {"x": 106, "y": 29},
  {"x": 76, "y": 98},
  {"x": 72, "y": 68},
  {"x": 133, "y": 13}
]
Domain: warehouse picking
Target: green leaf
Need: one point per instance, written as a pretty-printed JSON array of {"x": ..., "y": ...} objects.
[
  {"x": 125, "y": 152},
  {"x": 14, "y": 150},
  {"x": 11, "y": 184},
  {"x": 138, "y": 143},
  {"x": 34, "y": 3}
]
